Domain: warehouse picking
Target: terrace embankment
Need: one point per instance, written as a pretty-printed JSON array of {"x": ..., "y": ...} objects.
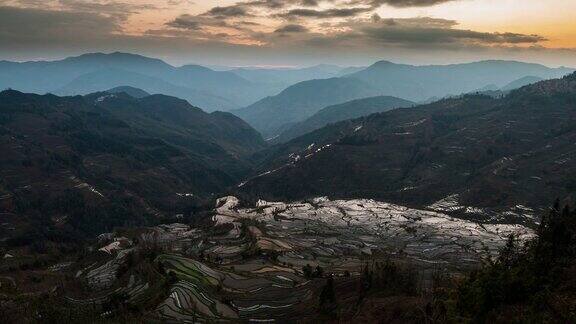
[{"x": 274, "y": 261}]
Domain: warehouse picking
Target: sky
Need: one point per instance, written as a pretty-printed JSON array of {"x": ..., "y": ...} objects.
[{"x": 292, "y": 33}]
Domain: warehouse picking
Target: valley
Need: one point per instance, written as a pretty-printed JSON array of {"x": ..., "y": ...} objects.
[
  {"x": 491, "y": 153},
  {"x": 332, "y": 202}
]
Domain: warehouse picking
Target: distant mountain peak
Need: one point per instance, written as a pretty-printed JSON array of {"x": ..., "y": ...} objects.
[
  {"x": 131, "y": 91},
  {"x": 383, "y": 63},
  {"x": 115, "y": 57},
  {"x": 9, "y": 92},
  {"x": 325, "y": 67},
  {"x": 196, "y": 67},
  {"x": 112, "y": 55}
]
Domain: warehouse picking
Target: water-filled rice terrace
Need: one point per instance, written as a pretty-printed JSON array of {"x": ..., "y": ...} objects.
[
  {"x": 249, "y": 264},
  {"x": 254, "y": 291}
]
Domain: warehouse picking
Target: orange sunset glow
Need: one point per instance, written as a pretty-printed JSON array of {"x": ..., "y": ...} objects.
[{"x": 181, "y": 31}]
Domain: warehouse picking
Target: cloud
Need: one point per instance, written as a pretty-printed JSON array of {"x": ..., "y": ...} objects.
[
  {"x": 279, "y": 4},
  {"x": 421, "y": 32},
  {"x": 328, "y": 13},
  {"x": 106, "y": 7},
  {"x": 185, "y": 22},
  {"x": 179, "y": 2},
  {"x": 319, "y": 9},
  {"x": 402, "y": 3},
  {"x": 433, "y": 31},
  {"x": 253, "y": 8},
  {"x": 273, "y": 30},
  {"x": 231, "y": 11},
  {"x": 118, "y": 9},
  {"x": 21, "y": 26},
  {"x": 292, "y": 29},
  {"x": 209, "y": 25}
]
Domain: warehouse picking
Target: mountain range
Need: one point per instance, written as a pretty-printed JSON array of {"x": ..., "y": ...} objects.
[
  {"x": 475, "y": 150},
  {"x": 348, "y": 110},
  {"x": 133, "y": 206},
  {"x": 419, "y": 83},
  {"x": 273, "y": 115},
  {"x": 203, "y": 87},
  {"x": 283, "y": 78},
  {"x": 124, "y": 142},
  {"x": 108, "y": 159}
]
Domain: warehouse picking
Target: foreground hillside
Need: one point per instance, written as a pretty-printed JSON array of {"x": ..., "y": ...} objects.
[
  {"x": 308, "y": 261},
  {"x": 85, "y": 164},
  {"x": 474, "y": 151},
  {"x": 311, "y": 261}
]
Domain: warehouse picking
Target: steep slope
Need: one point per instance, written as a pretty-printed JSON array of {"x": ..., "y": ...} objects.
[
  {"x": 468, "y": 151},
  {"x": 300, "y": 101},
  {"x": 90, "y": 163},
  {"x": 418, "y": 83},
  {"x": 350, "y": 70},
  {"x": 275, "y": 80},
  {"x": 179, "y": 123},
  {"x": 527, "y": 80},
  {"x": 348, "y": 110}
]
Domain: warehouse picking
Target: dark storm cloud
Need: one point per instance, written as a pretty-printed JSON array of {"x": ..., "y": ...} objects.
[{"x": 292, "y": 29}]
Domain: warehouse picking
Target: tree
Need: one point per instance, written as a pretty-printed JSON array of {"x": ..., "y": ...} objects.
[
  {"x": 526, "y": 285},
  {"x": 307, "y": 270},
  {"x": 318, "y": 272},
  {"x": 327, "y": 298},
  {"x": 509, "y": 253}
]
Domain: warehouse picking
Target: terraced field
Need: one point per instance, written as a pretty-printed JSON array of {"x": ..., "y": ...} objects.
[
  {"x": 339, "y": 236},
  {"x": 330, "y": 231},
  {"x": 254, "y": 290},
  {"x": 254, "y": 269}
]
